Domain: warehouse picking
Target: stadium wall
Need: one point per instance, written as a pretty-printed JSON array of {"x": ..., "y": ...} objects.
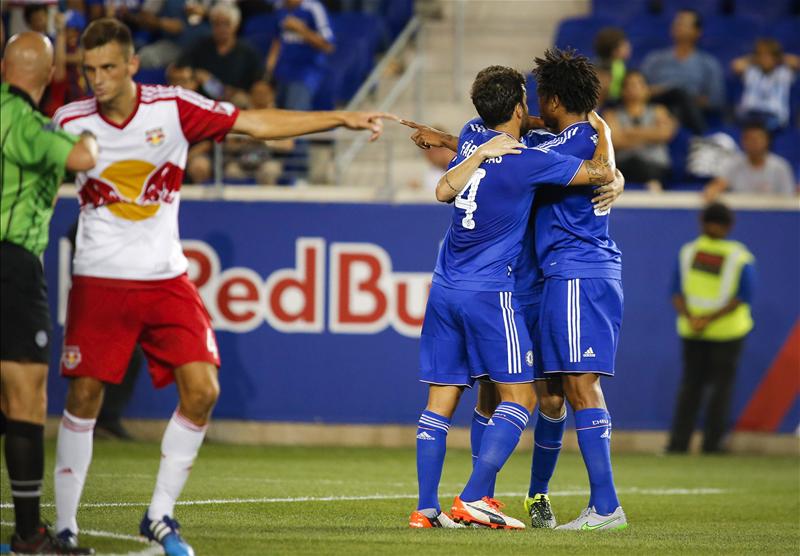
[{"x": 317, "y": 307}]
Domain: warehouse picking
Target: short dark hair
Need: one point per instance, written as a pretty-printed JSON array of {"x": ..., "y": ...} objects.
[
  {"x": 717, "y": 213},
  {"x": 31, "y": 9},
  {"x": 698, "y": 19},
  {"x": 756, "y": 123},
  {"x": 607, "y": 40},
  {"x": 773, "y": 45},
  {"x": 496, "y": 92},
  {"x": 569, "y": 76},
  {"x": 105, "y": 30}
]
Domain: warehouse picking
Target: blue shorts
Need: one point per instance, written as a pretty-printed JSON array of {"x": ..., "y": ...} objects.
[
  {"x": 530, "y": 307},
  {"x": 579, "y": 325},
  {"x": 468, "y": 335}
]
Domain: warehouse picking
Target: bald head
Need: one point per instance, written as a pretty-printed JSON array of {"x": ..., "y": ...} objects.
[{"x": 28, "y": 62}]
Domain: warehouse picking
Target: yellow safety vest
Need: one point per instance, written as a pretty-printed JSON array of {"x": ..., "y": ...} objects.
[{"x": 710, "y": 274}]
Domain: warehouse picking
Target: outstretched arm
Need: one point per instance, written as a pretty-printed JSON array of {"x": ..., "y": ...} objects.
[
  {"x": 426, "y": 137},
  {"x": 271, "y": 123}
]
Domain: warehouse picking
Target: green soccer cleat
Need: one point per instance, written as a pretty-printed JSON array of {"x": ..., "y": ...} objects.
[
  {"x": 540, "y": 511},
  {"x": 590, "y": 520}
]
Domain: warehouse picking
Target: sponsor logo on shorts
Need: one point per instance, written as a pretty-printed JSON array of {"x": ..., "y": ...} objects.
[
  {"x": 71, "y": 357},
  {"x": 529, "y": 358},
  {"x": 589, "y": 353},
  {"x": 41, "y": 338}
]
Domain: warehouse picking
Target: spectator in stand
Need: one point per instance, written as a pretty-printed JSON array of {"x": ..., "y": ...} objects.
[
  {"x": 174, "y": 26},
  {"x": 36, "y": 18},
  {"x": 298, "y": 56},
  {"x": 757, "y": 171},
  {"x": 121, "y": 9},
  {"x": 641, "y": 132},
  {"x": 68, "y": 82},
  {"x": 689, "y": 81},
  {"x": 250, "y": 158},
  {"x": 767, "y": 74},
  {"x": 225, "y": 67},
  {"x": 613, "y": 49}
]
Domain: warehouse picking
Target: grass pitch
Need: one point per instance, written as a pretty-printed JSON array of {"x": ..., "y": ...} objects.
[{"x": 275, "y": 500}]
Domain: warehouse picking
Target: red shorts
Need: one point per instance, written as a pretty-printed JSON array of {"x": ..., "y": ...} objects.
[{"x": 106, "y": 318}]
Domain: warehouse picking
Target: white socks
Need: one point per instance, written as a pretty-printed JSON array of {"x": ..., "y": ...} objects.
[
  {"x": 73, "y": 456},
  {"x": 179, "y": 447}
]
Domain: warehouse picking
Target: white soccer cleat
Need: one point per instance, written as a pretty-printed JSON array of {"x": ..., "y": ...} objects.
[
  {"x": 590, "y": 520},
  {"x": 485, "y": 512}
]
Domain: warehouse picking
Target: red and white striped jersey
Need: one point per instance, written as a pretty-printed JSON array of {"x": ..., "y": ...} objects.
[{"x": 128, "y": 227}]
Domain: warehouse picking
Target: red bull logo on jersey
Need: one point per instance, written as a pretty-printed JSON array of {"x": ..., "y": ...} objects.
[
  {"x": 154, "y": 137},
  {"x": 133, "y": 189},
  {"x": 346, "y": 288}
]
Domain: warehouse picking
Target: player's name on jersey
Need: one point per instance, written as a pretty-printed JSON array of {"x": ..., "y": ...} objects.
[
  {"x": 469, "y": 147},
  {"x": 358, "y": 286}
]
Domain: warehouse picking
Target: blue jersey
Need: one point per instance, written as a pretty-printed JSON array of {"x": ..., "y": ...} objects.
[
  {"x": 572, "y": 239},
  {"x": 298, "y": 60},
  {"x": 490, "y": 215}
]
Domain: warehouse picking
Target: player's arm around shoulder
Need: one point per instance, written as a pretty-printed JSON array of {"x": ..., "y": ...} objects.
[
  {"x": 456, "y": 178},
  {"x": 601, "y": 169}
]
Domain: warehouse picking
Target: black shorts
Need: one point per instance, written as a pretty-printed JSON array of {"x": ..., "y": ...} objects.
[{"x": 25, "y": 326}]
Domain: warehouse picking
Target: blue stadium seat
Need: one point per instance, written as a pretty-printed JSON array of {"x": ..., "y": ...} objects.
[
  {"x": 620, "y": 11},
  {"x": 647, "y": 33},
  {"x": 678, "y": 152},
  {"x": 396, "y": 14},
  {"x": 787, "y": 145},
  {"x": 706, "y": 8},
  {"x": 259, "y": 30},
  {"x": 151, "y": 76},
  {"x": 728, "y": 37},
  {"x": 786, "y": 31},
  {"x": 771, "y": 10},
  {"x": 579, "y": 33}
]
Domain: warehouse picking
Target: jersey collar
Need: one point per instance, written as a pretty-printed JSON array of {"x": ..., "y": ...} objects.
[
  {"x": 573, "y": 125},
  {"x": 23, "y": 95}
]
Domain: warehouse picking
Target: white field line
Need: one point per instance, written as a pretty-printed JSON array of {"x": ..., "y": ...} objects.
[{"x": 290, "y": 500}]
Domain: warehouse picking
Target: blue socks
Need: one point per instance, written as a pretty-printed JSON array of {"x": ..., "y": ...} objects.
[
  {"x": 546, "y": 446},
  {"x": 594, "y": 438},
  {"x": 479, "y": 423},
  {"x": 499, "y": 440},
  {"x": 431, "y": 447}
]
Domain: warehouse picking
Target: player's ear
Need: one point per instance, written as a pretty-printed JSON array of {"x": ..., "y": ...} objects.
[{"x": 133, "y": 65}]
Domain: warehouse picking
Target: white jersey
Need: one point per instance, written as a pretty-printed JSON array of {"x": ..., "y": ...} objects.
[{"x": 128, "y": 226}]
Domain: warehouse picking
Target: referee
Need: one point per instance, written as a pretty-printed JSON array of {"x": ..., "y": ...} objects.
[
  {"x": 33, "y": 158},
  {"x": 712, "y": 290}
]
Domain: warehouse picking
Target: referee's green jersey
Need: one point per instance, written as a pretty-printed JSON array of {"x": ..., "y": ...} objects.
[{"x": 33, "y": 155}]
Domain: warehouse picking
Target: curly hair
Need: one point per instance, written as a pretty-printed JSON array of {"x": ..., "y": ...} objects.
[
  {"x": 496, "y": 92},
  {"x": 569, "y": 76}
]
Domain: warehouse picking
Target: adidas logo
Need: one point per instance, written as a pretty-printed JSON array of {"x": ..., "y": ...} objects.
[
  {"x": 606, "y": 434},
  {"x": 424, "y": 436},
  {"x": 589, "y": 353},
  {"x": 489, "y": 423}
]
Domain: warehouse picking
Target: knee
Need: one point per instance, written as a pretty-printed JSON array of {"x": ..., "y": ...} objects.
[
  {"x": 521, "y": 394},
  {"x": 84, "y": 398},
  {"x": 584, "y": 396},
  {"x": 26, "y": 404},
  {"x": 201, "y": 398},
  {"x": 488, "y": 399},
  {"x": 551, "y": 405}
]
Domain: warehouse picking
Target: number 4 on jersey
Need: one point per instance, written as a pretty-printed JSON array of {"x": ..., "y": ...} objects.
[{"x": 466, "y": 199}]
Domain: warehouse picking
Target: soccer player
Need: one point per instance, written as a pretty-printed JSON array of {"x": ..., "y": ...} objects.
[
  {"x": 35, "y": 156},
  {"x": 581, "y": 307},
  {"x": 130, "y": 282},
  {"x": 472, "y": 326}
]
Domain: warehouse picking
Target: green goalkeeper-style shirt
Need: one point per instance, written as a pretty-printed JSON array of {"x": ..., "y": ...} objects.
[{"x": 33, "y": 155}]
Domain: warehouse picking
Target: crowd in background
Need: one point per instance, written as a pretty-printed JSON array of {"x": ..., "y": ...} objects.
[
  {"x": 253, "y": 53},
  {"x": 676, "y": 111}
]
